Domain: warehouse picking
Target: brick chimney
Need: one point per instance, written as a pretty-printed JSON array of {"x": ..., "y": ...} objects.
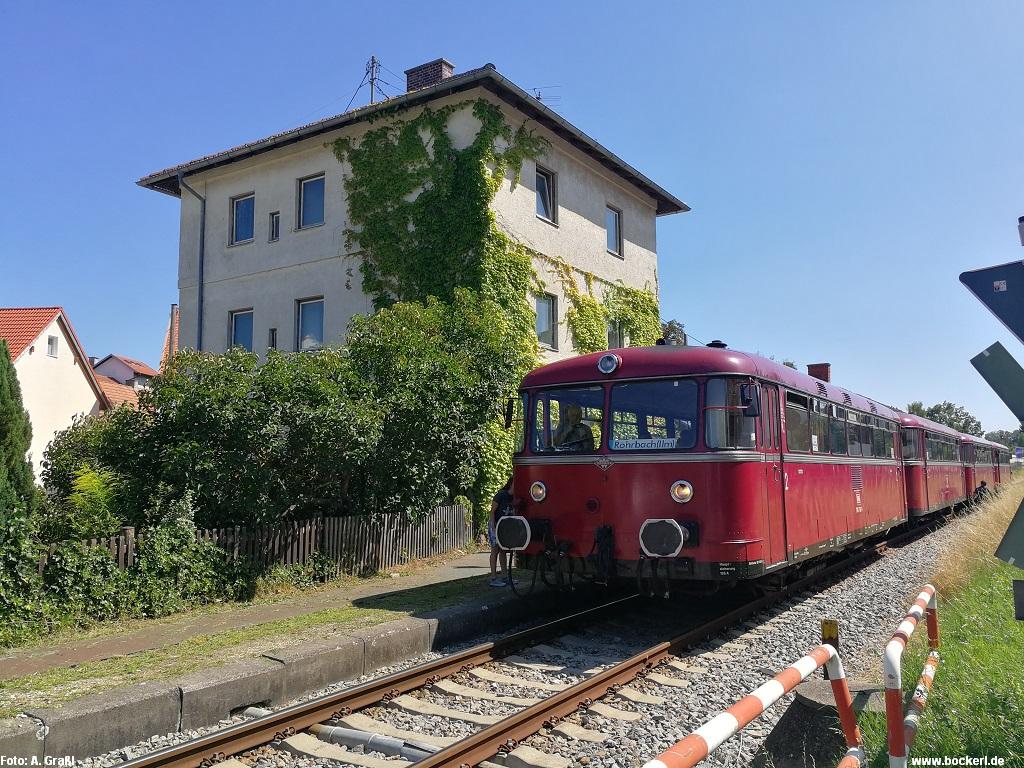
[
  {"x": 821, "y": 371},
  {"x": 426, "y": 75}
]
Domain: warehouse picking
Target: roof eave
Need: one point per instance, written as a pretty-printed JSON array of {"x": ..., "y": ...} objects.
[{"x": 166, "y": 181}]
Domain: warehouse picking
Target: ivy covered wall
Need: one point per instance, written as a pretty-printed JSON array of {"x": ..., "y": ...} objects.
[{"x": 423, "y": 224}]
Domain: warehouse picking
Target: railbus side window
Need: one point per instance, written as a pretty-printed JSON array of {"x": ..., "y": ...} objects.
[
  {"x": 798, "y": 423},
  {"x": 837, "y": 438},
  {"x": 878, "y": 440},
  {"x": 853, "y": 431},
  {"x": 910, "y": 445},
  {"x": 819, "y": 427},
  {"x": 519, "y": 423},
  {"x": 890, "y": 451},
  {"x": 725, "y": 424},
  {"x": 766, "y": 425}
]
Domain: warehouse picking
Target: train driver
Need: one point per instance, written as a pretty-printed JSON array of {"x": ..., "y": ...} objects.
[{"x": 572, "y": 434}]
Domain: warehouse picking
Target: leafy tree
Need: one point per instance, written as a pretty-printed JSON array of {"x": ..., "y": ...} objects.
[
  {"x": 952, "y": 415},
  {"x": 1006, "y": 437},
  {"x": 439, "y": 372},
  {"x": 673, "y": 332},
  {"x": 17, "y": 483},
  {"x": 19, "y": 605}
]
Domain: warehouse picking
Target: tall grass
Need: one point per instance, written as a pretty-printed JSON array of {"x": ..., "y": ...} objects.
[
  {"x": 976, "y": 708},
  {"x": 977, "y": 534}
]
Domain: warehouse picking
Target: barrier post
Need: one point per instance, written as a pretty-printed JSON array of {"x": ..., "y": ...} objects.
[
  {"x": 902, "y": 730},
  {"x": 706, "y": 739},
  {"x": 830, "y": 636}
]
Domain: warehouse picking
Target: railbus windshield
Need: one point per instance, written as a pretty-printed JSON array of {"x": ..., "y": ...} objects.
[
  {"x": 568, "y": 420},
  {"x": 653, "y": 415},
  {"x": 642, "y": 416}
]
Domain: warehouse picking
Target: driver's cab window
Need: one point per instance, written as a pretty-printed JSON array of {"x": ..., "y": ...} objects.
[{"x": 568, "y": 420}]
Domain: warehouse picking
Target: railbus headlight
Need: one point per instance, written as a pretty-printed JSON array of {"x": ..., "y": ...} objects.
[
  {"x": 538, "y": 491},
  {"x": 681, "y": 491}
]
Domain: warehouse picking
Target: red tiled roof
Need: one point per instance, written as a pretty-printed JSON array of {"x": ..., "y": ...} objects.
[
  {"x": 20, "y": 326},
  {"x": 137, "y": 366},
  {"x": 170, "y": 339},
  {"x": 116, "y": 392}
]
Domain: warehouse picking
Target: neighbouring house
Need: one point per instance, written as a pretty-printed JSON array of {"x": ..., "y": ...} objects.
[
  {"x": 125, "y": 370},
  {"x": 57, "y": 381},
  {"x": 263, "y": 258},
  {"x": 170, "y": 339}
]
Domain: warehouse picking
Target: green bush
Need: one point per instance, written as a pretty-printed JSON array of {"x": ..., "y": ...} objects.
[
  {"x": 115, "y": 441},
  {"x": 395, "y": 423}
]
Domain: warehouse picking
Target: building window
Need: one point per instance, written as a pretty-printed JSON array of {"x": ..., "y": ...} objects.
[
  {"x": 311, "y": 325},
  {"x": 547, "y": 320},
  {"x": 616, "y": 336},
  {"x": 272, "y": 338},
  {"x": 274, "y": 230},
  {"x": 241, "y": 329},
  {"x": 51, "y": 346},
  {"x": 311, "y": 201},
  {"x": 243, "y": 210},
  {"x": 546, "y": 201},
  {"x": 613, "y": 229}
]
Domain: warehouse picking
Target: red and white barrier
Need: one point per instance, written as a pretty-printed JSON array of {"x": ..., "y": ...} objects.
[
  {"x": 902, "y": 730},
  {"x": 706, "y": 739}
]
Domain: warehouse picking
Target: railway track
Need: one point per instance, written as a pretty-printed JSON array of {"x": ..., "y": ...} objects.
[{"x": 548, "y": 687}]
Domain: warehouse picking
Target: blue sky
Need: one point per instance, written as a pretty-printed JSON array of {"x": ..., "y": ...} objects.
[{"x": 844, "y": 162}]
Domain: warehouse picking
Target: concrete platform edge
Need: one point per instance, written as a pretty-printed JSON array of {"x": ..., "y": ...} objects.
[{"x": 98, "y": 723}]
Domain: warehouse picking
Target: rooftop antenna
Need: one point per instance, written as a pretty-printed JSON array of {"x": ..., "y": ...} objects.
[
  {"x": 550, "y": 99},
  {"x": 373, "y": 70}
]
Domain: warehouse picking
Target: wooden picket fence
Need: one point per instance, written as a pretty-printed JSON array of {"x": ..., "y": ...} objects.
[{"x": 353, "y": 544}]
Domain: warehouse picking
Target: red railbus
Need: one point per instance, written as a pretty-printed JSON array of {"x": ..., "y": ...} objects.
[{"x": 709, "y": 464}]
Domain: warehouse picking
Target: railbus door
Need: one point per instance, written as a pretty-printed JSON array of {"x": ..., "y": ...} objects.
[{"x": 775, "y": 497}]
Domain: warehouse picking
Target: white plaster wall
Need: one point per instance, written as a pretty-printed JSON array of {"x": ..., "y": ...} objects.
[
  {"x": 270, "y": 277},
  {"x": 54, "y": 390},
  {"x": 583, "y": 190},
  {"x": 116, "y": 370}
]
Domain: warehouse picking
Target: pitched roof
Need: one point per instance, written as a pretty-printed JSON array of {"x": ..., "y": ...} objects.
[
  {"x": 117, "y": 392},
  {"x": 170, "y": 339},
  {"x": 137, "y": 366},
  {"x": 487, "y": 77},
  {"x": 20, "y": 326}
]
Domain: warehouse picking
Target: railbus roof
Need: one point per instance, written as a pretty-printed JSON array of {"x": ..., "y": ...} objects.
[{"x": 667, "y": 360}]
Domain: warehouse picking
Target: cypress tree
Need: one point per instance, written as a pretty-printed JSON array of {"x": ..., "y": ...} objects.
[{"x": 17, "y": 483}]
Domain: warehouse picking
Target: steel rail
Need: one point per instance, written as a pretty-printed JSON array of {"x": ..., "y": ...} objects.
[
  {"x": 214, "y": 747},
  {"x": 486, "y": 742},
  {"x": 505, "y": 734}
]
